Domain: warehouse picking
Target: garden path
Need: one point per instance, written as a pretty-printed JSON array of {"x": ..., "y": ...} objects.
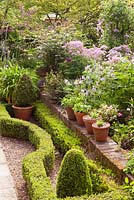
[{"x": 7, "y": 187}]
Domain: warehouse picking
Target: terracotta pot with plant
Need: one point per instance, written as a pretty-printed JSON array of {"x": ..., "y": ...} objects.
[
  {"x": 23, "y": 97},
  {"x": 68, "y": 103},
  {"x": 101, "y": 129},
  {"x": 80, "y": 110},
  {"x": 89, "y": 120}
]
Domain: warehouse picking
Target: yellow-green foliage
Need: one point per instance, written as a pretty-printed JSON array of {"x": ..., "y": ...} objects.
[
  {"x": 62, "y": 136},
  {"x": 3, "y": 111},
  {"x": 74, "y": 176}
]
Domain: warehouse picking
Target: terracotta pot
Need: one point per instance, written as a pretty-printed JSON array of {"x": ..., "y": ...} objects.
[
  {"x": 70, "y": 113},
  {"x": 79, "y": 118},
  {"x": 101, "y": 133},
  {"x": 23, "y": 112},
  {"x": 88, "y": 123}
]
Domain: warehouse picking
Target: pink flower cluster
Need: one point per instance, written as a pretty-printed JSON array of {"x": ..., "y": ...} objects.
[
  {"x": 77, "y": 48},
  {"x": 74, "y": 47},
  {"x": 94, "y": 53}
]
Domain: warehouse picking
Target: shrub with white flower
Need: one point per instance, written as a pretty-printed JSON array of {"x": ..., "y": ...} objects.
[{"x": 108, "y": 113}]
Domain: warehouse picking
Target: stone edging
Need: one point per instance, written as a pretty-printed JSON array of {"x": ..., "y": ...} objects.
[{"x": 107, "y": 152}]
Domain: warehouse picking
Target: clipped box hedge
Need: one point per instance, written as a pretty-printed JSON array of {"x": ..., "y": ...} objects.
[
  {"x": 36, "y": 165},
  {"x": 61, "y": 135}
]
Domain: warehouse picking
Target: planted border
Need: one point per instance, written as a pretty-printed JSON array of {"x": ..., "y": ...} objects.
[
  {"x": 36, "y": 165},
  {"x": 62, "y": 136}
]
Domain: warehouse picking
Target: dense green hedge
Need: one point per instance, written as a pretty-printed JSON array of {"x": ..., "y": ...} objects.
[
  {"x": 99, "y": 185},
  {"x": 114, "y": 195},
  {"x": 62, "y": 136},
  {"x": 36, "y": 165},
  {"x": 35, "y": 174},
  {"x": 74, "y": 175},
  {"x": 3, "y": 111}
]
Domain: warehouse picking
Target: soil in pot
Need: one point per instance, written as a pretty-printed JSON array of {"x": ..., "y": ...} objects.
[
  {"x": 101, "y": 133},
  {"x": 70, "y": 113},
  {"x": 79, "y": 118},
  {"x": 88, "y": 123}
]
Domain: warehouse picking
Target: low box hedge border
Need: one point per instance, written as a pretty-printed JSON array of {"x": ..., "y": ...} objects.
[
  {"x": 36, "y": 165},
  {"x": 61, "y": 135}
]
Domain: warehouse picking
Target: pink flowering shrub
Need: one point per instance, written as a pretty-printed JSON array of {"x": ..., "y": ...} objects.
[{"x": 77, "y": 48}]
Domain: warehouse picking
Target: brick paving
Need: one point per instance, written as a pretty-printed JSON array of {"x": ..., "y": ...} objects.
[{"x": 7, "y": 187}]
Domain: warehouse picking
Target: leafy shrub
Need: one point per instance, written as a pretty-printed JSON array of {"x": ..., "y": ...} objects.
[
  {"x": 9, "y": 77},
  {"x": 24, "y": 93},
  {"x": 62, "y": 136},
  {"x": 98, "y": 184},
  {"x": 73, "y": 66},
  {"x": 114, "y": 195},
  {"x": 52, "y": 51},
  {"x": 73, "y": 178},
  {"x": 54, "y": 84},
  {"x": 130, "y": 164},
  {"x": 117, "y": 17}
]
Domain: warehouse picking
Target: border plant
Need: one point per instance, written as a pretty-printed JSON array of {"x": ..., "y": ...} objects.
[{"x": 61, "y": 135}]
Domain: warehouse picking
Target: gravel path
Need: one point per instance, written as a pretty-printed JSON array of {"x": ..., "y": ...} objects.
[
  {"x": 15, "y": 150},
  {"x": 54, "y": 172}
]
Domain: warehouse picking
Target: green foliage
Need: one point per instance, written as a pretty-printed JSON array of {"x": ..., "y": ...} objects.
[
  {"x": 98, "y": 184},
  {"x": 129, "y": 186},
  {"x": 117, "y": 17},
  {"x": 53, "y": 54},
  {"x": 114, "y": 195},
  {"x": 123, "y": 134},
  {"x": 3, "y": 111},
  {"x": 54, "y": 84},
  {"x": 100, "y": 123},
  {"x": 68, "y": 101},
  {"x": 62, "y": 136},
  {"x": 73, "y": 178},
  {"x": 73, "y": 66},
  {"x": 122, "y": 84},
  {"x": 24, "y": 93},
  {"x": 130, "y": 164},
  {"x": 81, "y": 107},
  {"x": 9, "y": 77}
]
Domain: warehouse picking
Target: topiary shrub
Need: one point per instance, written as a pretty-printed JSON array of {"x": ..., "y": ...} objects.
[
  {"x": 25, "y": 93},
  {"x": 74, "y": 177}
]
